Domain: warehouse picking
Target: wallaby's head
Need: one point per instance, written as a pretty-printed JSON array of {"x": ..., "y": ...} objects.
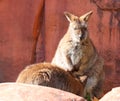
[{"x": 78, "y": 26}]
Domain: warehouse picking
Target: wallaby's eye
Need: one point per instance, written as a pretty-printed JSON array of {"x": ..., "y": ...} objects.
[
  {"x": 76, "y": 28},
  {"x": 83, "y": 28}
]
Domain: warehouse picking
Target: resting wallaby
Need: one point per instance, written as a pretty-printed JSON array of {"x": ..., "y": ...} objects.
[
  {"x": 50, "y": 75},
  {"x": 77, "y": 54}
]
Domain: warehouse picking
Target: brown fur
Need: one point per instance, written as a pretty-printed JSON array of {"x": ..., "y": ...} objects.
[
  {"x": 50, "y": 75},
  {"x": 77, "y": 54}
]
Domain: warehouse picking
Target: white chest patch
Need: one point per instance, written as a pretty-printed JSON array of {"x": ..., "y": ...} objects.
[{"x": 75, "y": 53}]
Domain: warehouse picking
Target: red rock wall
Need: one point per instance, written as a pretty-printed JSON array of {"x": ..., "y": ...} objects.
[
  {"x": 16, "y": 25},
  {"x": 16, "y": 45}
]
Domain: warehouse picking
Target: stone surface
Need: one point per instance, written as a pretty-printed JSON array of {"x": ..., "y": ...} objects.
[
  {"x": 25, "y": 92},
  {"x": 113, "y": 95}
]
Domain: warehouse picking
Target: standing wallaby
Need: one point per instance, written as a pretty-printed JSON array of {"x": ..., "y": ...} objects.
[
  {"x": 77, "y": 54},
  {"x": 50, "y": 75}
]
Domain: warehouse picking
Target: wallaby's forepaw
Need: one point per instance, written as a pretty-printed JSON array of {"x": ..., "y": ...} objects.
[{"x": 83, "y": 78}]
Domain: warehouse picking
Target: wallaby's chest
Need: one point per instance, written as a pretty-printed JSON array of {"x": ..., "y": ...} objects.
[{"x": 75, "y": 53}]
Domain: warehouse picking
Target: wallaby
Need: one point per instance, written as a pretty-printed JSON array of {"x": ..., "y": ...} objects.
[
  {"x": 77, "y": 54},
  {"x": 50, "y": 75}
]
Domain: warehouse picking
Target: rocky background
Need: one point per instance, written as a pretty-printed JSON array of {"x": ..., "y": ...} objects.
[{"x": 36, "y": 26}]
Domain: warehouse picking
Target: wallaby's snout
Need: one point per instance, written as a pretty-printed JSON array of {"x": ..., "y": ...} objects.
[{"x": 82, "y": 36}]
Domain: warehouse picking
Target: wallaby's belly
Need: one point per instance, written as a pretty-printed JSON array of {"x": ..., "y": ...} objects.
[{"x": 75, "y": 55}]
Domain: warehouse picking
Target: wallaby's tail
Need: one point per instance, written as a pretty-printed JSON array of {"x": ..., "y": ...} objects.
[{"x": 37, "y": 29}]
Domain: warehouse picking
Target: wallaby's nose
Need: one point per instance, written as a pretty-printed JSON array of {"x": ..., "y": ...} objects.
[{"x": 81, "y": 36}]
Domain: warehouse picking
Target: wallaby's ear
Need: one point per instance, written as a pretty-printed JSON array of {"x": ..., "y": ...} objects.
[
  {"x": 86, "y": 16},
  {"x": 69, "y": 16}
]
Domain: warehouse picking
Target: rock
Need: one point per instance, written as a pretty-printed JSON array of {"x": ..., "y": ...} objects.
[
  {"x": 27, "y": 92},
  {"x": 113, "y": 95}
]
